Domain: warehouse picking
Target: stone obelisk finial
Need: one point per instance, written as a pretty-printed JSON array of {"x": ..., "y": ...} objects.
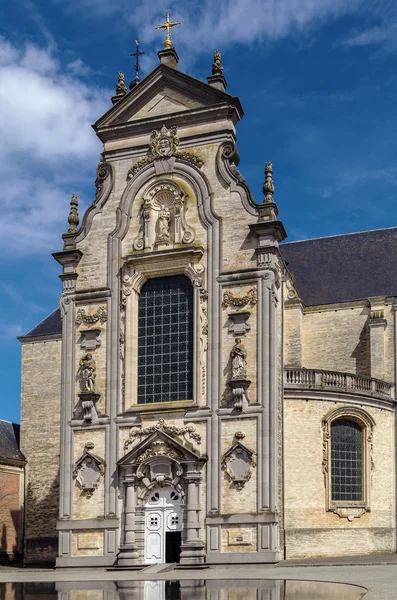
[
  {"x": 73, "y": 218},
  {"x": 268, "y": 210}
]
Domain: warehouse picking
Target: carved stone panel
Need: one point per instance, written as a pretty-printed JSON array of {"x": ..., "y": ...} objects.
[
  {"x": 88, "y": 470},
  {"x": 238, "y": 463},
  {"x": 90, "y": 339},
  {"x": 239, "y": 325}
]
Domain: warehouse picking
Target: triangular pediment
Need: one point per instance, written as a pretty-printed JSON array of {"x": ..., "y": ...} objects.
[
  {"x": 163, "y": 92},
  {"x": 162, "y": 445}
]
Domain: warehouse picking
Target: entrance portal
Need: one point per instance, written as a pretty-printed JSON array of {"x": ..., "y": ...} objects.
[{"x": 163, "y": 526}]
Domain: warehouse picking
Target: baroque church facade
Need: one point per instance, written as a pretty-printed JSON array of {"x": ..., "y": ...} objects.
[{"x": 205, "y": 393}]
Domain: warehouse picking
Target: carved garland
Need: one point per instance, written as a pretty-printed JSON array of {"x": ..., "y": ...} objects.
[
  {"x": 250, "y": 299},
  {"x": 160, "y": 449},
  {"x": 89, "y": 319},
  {"x": 162, "y": 426}
]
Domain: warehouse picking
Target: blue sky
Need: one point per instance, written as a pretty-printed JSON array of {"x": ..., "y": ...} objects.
[{"x": 317, "y": 80}]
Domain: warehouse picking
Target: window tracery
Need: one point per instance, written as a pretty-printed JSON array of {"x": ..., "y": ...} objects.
[
  {"x": 347, "y": 461},
  {"x": 165, "y": 340}
]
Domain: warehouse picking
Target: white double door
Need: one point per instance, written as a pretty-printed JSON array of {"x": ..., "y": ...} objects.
[{"x": 163, "y": 519}]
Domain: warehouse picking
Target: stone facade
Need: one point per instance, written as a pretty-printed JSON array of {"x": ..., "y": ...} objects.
[
  {"x": 40, "y": 441},
  {"x": 239, "y": 470}
]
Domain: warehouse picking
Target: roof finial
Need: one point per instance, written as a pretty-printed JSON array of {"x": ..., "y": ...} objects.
[
  {"x": 137, "y": 54},
  {"x": 268, "y": 210},
  {"x": 217, "y": 79},
  {"x": 121, "y": 88},
  {"x": 217, "y": 67},
  {"x": 268, "y": 186},
  {"x": 73, "y": 218},
  {"x": 167, "y": 26}
]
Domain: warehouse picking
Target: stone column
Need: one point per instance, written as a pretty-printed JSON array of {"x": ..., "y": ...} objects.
[
  {"x": 128, "y": 555},
  {"x": 193, "y": 548}
]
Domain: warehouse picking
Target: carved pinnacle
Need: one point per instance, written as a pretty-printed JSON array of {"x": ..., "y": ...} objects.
[
  {"x": 268, "y": 186},
  {"x": 73, "y": 218},
  {"x": 217, "y": 67}
]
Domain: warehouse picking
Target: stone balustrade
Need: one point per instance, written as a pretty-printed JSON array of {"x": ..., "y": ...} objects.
[{"x": 335, "y": 380}]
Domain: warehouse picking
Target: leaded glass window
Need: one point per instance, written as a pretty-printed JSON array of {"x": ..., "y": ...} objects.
[
  {"x": 346, "y": 461},
  {"x": 165, "y": 340}
]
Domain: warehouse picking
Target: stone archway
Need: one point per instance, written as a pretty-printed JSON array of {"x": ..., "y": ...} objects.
[{"x": 161, "y": 466}]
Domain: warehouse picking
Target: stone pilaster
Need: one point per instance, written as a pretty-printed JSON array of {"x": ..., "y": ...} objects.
[
  {"x": 128, "y": 555},
  {"x": 193, "y": 548},
  {"x": 377, "y": 325}
]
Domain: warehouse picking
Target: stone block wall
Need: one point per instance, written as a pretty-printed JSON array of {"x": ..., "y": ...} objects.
[
  {"x": 40, "y": 444},
  {"x": 310, "y": 529}
]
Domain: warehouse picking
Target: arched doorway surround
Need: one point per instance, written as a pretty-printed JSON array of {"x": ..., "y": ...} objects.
[
  {"x": 161, "y": 465},
  {"x": 163, "y": 525}
]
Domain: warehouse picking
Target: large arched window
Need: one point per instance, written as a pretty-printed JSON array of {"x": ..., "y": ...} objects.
[
  {"x": 346, "y": 460},
  {"x": 165, "y": 340}
]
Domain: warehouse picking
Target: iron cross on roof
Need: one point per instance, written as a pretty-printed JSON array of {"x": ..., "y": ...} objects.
[
  {"x": 137, "y": 54},
  {"x": 167, "y": 26}
]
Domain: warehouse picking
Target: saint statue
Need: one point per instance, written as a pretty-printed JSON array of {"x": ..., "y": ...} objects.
[
  {"x": 238, "y": 355},
  {"x": 88, "y": 373},
  {"x": 164, "y": 221}
]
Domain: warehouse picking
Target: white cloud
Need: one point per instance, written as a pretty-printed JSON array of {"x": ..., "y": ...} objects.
[
  {"x": 77, "y": 67},
  {"x": 46, "y": 115},
  {"x": 225, "y": 22},
  {"x": 379, "y": 35}
]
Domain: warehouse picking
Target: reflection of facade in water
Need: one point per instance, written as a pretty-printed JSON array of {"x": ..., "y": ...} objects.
[
  {"x": 182, "y": 590},
  {"x": 237, "y": 405}
]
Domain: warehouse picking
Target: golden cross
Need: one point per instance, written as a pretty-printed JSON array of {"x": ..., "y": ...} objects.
[{"x": 167, "y": 26}]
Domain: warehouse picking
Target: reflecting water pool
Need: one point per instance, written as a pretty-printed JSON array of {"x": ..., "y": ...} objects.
[{"x": 214, "y": 589}]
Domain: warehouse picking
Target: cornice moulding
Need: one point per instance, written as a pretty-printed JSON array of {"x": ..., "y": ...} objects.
[
  {"x": 190, "y": 117},
  {"x": 345, "y": 397},
  {"x": 30, "y": 339}
]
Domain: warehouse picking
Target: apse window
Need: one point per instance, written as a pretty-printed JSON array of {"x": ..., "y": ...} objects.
[
  {"x": 346, "y": 461},
  {"x": 165, "y": 340}
]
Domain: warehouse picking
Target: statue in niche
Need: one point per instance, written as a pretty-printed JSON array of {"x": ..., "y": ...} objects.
[
  {"x": 87, "y": 373},
  {"x": 164, "y": 221},
  {"x": 238, "y": 355}
]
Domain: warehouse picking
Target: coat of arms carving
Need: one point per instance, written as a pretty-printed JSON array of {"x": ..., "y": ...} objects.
[{"x": 164, "y": 142}]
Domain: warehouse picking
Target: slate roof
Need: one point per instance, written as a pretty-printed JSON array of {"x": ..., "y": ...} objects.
[
  {"x": 9, "y": 442},
  {"x": 339, "y": 268},
  {"x": 346, "y": 267},
  {"x": 51, "y": 325}
]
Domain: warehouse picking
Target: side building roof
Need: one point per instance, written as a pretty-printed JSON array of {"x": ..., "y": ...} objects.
[
  {"x": 9, "y": 443},
  {"x": 339, "y": 268},
  {"x": 51, "y": 325},
  {"x": 343, "y": 268}
]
